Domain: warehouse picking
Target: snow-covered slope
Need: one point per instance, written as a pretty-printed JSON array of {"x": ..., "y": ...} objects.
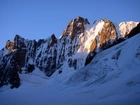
[
  {"x": 111, "y": 78},
  {"x": 126, "y": 27}
]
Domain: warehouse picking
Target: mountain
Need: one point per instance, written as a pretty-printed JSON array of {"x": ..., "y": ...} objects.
[{"x": 94, "y": 56}]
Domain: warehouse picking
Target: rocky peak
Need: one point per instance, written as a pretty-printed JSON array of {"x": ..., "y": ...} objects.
[
  {"x": 81, "y": 20},
  {"x": 107, "y": 34},
  {"x": 100, "y": 36},
  {"x": 75, "y": 27},
  {"x": 18, "y": 42},
  {"x": 53, "y": 40}
]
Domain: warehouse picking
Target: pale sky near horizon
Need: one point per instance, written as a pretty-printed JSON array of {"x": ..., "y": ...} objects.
[{"x": 36, "y": 19}]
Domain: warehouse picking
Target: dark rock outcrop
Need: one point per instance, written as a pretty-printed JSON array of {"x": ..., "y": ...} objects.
[
  {"x": 9, "y": 71},
  {"x": 30, "y": 68},
  {"x": 134, "y": 31}
]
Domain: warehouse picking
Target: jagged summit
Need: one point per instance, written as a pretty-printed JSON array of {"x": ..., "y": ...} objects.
[
  {"x": 79, "y": 44},
  {"x": 75, "y": 26},
  {"x": 107, "y": 34}
]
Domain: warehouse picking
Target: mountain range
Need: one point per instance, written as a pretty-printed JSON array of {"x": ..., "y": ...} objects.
[{"x": 101, "y": 59}]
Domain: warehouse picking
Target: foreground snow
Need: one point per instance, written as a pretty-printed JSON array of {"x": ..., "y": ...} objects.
[
  {"x": 112, "y": 78},
  {"x": 40, "y": 92}
]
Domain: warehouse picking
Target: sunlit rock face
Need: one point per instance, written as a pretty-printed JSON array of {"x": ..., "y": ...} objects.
[
  {"x": 10, "y": 46},
  {"x": 100, "y": 36},
  {"x": 71, "y": 42},
  {"x": 75, "y": 27},
  {"x": 77, "y": 46},
  {"x": 107, "y": 35}
]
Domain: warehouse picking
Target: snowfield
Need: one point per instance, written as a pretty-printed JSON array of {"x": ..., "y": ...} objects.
[{"x": 112, "y": 78}]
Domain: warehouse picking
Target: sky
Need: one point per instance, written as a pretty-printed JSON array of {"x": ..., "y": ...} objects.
[{"x": 38, "y": 19}]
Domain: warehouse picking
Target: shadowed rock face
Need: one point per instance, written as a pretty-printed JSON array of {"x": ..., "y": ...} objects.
[
  {"x": 12, "y": 62},
  {"x": 9, "y": 71},
  {"x": 28, "y": 54},
  {"x": 19, "y": 42},
  {"x": 20, "y": 47},
  {"x": 46, "y": 54},
  {"x": 53, "y": 40}
]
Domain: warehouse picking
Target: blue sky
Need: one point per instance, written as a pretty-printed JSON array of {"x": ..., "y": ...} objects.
[{"x": 35, "y": 19}]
